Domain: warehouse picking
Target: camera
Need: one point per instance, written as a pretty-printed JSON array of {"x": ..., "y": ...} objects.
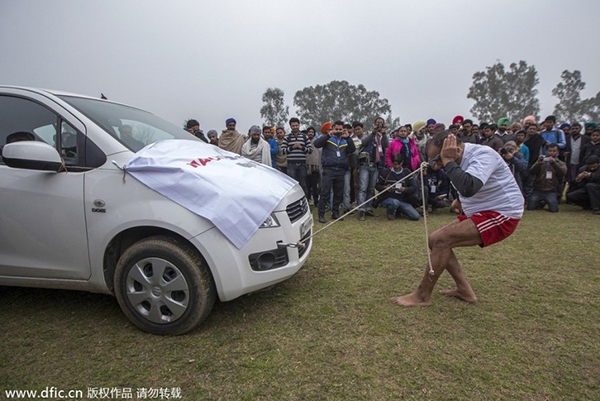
[
  {"x": 503, "y": 151},
  {"x": 546, "y": 159},
  {"x": 379, "y": 125}
]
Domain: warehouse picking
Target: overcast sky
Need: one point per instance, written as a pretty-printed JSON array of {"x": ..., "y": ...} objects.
[{"x": 211, "y": 60}]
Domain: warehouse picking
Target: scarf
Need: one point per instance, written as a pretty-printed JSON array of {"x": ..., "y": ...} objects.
[
  {"x": 262, "y": 147},
  {"x": 231, "y": 141}
]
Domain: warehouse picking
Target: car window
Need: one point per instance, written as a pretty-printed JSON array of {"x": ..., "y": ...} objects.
[
  {"x": 133, "y": 127},
  {"x": 23, "y": 119}
]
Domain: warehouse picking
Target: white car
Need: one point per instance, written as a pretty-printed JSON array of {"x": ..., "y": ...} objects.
[{"x": 70, "y": 219}]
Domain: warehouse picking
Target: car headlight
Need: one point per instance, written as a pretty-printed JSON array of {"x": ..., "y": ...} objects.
[{"x": 271, "y": 221}]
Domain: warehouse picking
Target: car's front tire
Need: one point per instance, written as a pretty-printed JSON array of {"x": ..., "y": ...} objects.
[{"x": 164, "y": 286}]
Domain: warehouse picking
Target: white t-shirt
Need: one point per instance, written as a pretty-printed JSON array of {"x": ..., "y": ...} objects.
[{"x": 500, "y": 192}]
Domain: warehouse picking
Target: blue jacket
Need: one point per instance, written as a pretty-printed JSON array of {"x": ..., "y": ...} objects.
[
  {"x": 555, "y": 136},
  {"x": 274, "y": 151},
  {"x": 335, "y": 151}
]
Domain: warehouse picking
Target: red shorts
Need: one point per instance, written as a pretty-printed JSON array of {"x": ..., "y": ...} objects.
[{"x": 493, "y": 227}]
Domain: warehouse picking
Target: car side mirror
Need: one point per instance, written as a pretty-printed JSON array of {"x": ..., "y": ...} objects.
[{"x": 31, "y": 155}]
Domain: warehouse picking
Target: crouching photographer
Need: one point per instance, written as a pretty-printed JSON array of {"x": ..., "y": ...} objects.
[
  {"x": 516, "y": 163},
  {"x": 437, "y": 187}
]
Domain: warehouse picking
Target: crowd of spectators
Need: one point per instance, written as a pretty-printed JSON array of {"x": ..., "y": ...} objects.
[{"x": 345, "y": 164}]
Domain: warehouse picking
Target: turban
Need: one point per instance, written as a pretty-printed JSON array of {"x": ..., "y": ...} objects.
[
  {"x": 431, "y": 121},
  {"x": 325, "y": 128},
  {"x": 438, "y": 126},
  {"x": 591, "y": 125},
  {"x": 565, "y": 125},
  {"x": 419, "y": 125},
  {"x": 529, "y": 119},
  {"x": 458, "y": 120},
  {"x": 255, "y": 129},
  {"x": 230, "y": 120},
  {"x": 503, "y": 120}
]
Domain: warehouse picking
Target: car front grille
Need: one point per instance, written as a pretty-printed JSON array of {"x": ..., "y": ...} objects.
[{"x": 297, "y": 209}]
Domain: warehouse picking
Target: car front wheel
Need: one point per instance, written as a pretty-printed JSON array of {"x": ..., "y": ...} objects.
[{"x": 164, "y": 286}]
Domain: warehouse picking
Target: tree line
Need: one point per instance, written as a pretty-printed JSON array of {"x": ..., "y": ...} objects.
[{"x": 497, "y": 92}]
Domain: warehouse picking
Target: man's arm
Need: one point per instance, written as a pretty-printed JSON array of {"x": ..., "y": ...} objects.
[
  {"x": 560, "y": 168},
  {"x": 321, "y": 141},
  {"x": 464, "y": 182},
  {"x": 307, "y": 145},
  {"x": 284, "y": 145},
  {"x": 351, "y": 146},
  {"x": 562, "y": 143},
  {"x": 535, "y": 169}
]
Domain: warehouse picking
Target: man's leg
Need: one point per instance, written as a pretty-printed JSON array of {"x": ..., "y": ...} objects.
[
  {"x": 552, "y": 201},
  {"x": 301, "y": 174},
  {"x": 326, "y": 183},
  {"x": 291, "y": 171},
  {"x": 391, "y": 204},
  {"x": 534, "y": 200},
  {"x": 363, "y": 183},
  {"x": 373, "y": 175},
  {"x": 441, "y": 243},
  {"x": 408, "y": 210},
  {"x": 338, "y": 193},
  {"x": 593, "y": 191},
  {"x": 346, "y": 191},
  {"x": 579, "y": 197}
]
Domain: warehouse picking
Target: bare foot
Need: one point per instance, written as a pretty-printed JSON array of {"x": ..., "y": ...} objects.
[
  {"x": 412, "y": 299},
  {"x": 467, "y": 296}
]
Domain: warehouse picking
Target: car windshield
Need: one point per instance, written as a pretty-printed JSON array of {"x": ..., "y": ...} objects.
[{"x": 133, "y": 127}]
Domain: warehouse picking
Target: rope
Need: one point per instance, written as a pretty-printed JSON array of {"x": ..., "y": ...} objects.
[{"x": 420, "y": 169}]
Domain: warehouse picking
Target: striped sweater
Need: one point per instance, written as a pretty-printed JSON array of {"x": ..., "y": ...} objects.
[{"x": 296, "y": 155}]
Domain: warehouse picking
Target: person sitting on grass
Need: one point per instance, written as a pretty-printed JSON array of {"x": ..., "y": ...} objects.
[
  {"x": 397, "y": 200},
  {"x": 492, "y": 205}
]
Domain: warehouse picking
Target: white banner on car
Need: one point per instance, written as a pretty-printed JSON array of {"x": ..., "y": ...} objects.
[{"x": 234, "y": 193}]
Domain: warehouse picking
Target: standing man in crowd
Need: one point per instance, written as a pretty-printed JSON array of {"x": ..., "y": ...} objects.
[
  {"x": 502, "y": 131},
  {"x": 490, "y": 139},
  {"x": 230, "y": 139},
  {"x": 575, "y": 142},
  {"x": 419, "y": 134},
  {"x": 467, "y": 134},
  {"x": 296, "y": 146},
  {"x": 553, "y": 135},
  {"x": 337, "y": 146},
  {"x": 256, "y": 148},
  {"x": 268, "y": 135},
  {"x": 371, "y": 159},
  {"x": 313, "y": 169},
  {"x": 281, "y": 159},
  {"x": 492, "y": 205}
]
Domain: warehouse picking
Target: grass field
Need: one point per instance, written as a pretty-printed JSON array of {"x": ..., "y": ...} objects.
[{"x": 331, "y": 331}]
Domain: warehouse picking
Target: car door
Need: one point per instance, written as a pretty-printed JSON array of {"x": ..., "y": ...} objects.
[{"x": 42, "y": 220}]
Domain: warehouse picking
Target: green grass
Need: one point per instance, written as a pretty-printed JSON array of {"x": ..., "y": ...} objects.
[{"x": 331, "y": 331}]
